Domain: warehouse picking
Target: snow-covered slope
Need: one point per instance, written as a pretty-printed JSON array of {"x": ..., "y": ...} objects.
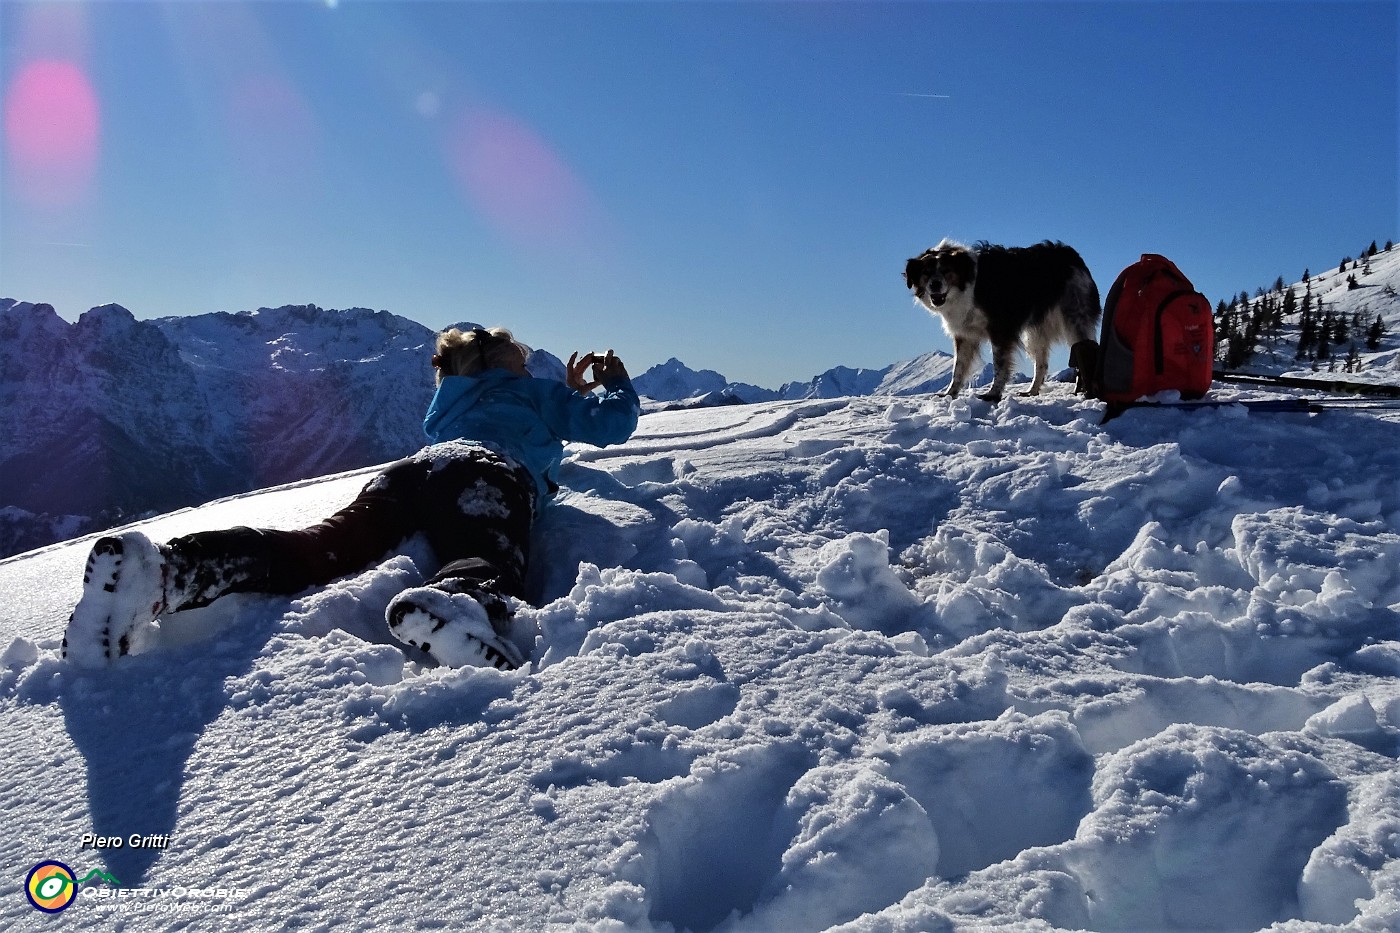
[
  {"x": 860, "y": 664},
  {"x": 1367, "y": 290}
]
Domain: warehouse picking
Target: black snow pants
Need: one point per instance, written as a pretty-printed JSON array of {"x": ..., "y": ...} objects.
[{"x": 474, "y": 506}]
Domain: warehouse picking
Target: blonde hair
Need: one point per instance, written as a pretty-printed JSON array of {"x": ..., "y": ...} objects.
[{"x": 466, "y": 353}]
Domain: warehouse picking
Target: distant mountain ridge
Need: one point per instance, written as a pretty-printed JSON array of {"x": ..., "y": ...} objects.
[
  {"x": 673, "y": 381},
  {"x": 111, "y": 418}
]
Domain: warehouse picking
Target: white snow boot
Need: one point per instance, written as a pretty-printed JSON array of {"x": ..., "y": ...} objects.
[
  {"x": 123, "y": 593},
  {"x": 454, "y": 628}
]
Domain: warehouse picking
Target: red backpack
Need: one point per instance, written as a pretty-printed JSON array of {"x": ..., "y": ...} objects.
[{"x": 1158, "y": 334}]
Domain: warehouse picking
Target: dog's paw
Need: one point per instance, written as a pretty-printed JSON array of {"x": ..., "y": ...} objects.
[{"x": 992, "y": 397}]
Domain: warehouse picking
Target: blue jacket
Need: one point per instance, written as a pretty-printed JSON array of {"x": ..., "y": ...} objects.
[{"x": 530, "y": 419}]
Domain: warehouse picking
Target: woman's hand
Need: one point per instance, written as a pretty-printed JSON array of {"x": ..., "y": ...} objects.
[
  {"x": 606, "y": 368},
  {"x": 575, "y": 370}
]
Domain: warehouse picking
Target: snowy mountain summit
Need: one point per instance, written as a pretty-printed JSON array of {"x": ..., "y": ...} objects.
[
  {"x": 673, "y": 380},
  {"x": 858, "y": 664}
]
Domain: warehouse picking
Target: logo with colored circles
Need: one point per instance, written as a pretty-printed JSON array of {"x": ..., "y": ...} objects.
[{"x": 51, "y": 887}]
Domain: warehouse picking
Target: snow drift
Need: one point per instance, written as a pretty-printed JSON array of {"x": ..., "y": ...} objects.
[{"x": 860, "y": 664}]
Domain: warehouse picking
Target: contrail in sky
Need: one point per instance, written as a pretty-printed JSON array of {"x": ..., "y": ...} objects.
[{"x": 938, "y": 96}]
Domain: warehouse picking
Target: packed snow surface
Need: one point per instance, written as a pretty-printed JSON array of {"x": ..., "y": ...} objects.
[{"x": 867, "y": 664}]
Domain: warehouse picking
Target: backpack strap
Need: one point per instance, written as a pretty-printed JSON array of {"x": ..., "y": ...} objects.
[{"x": 1159, "y": 355}]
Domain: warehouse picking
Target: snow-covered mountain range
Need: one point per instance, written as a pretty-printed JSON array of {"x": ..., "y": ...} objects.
[
  {"x": 111, "y": 417},
  {"x": 673, "y": 381}
]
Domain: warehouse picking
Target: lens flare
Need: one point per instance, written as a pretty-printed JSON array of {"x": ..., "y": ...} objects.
[
  {"x": 516, "y": 180},
  {"x": 274, "y": 132},
  {"x": 52, "y": 129}
]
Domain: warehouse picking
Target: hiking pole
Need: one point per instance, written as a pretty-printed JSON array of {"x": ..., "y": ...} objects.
[
  {"x": 1321, "y": 385},
  {"x": 1267, "y": 406}
]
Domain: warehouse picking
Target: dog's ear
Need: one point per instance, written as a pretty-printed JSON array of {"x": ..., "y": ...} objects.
[{"x": 915, "y": 270}]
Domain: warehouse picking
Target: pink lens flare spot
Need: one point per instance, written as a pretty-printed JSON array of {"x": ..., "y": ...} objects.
[
  {"x": 515, "y": 179},
  {"x": 274, "y": 131},
  {"x": 52, "y": 128}
]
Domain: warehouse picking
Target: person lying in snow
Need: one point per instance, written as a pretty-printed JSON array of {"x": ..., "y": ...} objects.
[{"x": 497, "y": 438}]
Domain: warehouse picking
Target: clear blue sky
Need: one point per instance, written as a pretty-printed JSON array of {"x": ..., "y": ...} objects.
[{"x": 736, "y": 184}]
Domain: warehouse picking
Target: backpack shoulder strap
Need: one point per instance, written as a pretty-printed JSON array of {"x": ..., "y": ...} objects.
[{"x": 1159, "y": 353}]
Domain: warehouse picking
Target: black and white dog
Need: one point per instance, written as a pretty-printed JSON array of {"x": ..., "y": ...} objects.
[{"x": 1042, "y": 294}]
